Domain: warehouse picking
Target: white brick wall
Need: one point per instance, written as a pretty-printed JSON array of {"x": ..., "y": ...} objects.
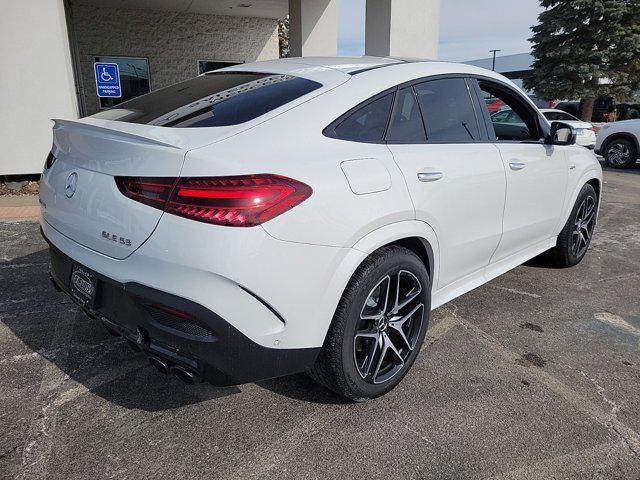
[{"x": 173, "y": 42}]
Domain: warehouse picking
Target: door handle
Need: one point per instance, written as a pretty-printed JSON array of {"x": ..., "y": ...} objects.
[
  {"x": 516, "y": 165},
  {"x": 429, "y": 176}
]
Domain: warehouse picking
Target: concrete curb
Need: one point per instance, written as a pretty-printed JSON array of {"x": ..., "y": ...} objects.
[{"x": 22, "y": 212}]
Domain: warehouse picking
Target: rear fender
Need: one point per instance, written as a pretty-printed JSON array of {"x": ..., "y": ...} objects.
[
  {"x": 398, "y": 231},
  {"x": 372, "y": 242}
]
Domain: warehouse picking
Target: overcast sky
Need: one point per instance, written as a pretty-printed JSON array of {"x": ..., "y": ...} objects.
[{"x": 468, "y": 28}]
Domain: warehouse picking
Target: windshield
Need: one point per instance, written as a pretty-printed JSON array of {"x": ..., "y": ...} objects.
[{"x": 212, "y": 100}]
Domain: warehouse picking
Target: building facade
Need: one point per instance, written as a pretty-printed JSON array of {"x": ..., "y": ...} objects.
[{"x": 48, "y": 49}]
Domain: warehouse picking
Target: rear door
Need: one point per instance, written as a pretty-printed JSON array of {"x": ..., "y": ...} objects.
[
  {"x": 536, "y": 173},
  {"x": 455, "y": 177}
]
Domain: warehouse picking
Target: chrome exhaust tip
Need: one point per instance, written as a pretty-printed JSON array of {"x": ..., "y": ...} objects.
[
  {"x": 133, "y": 345},
  {"x": 185, "y": 375},
  {"x": 159, "y": 364}
]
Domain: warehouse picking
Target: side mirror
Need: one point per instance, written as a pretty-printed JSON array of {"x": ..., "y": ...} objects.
[{"x": 561, "y": 134}]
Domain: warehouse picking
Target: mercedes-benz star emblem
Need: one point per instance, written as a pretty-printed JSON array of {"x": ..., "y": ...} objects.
[{"x": 72, "y": 183}]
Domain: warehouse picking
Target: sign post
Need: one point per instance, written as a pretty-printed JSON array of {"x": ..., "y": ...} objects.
[{"x": 107, "y": 80}]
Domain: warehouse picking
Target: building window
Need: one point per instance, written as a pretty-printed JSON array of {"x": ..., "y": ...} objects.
[
  {"x": 134, "y": 78},
  {"x": 208, "y": 65}
]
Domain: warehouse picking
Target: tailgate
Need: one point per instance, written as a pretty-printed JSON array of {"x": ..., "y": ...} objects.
[{"x": 78, "y": 193}]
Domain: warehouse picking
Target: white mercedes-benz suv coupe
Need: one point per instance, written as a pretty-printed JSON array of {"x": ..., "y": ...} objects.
[{"x": 307, "y": 214}]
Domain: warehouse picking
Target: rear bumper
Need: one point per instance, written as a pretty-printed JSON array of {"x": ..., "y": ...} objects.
[{"x": 195, "y": 338}]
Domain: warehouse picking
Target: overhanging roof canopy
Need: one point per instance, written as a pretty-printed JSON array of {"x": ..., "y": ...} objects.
[{"x": 243, "y": 8}]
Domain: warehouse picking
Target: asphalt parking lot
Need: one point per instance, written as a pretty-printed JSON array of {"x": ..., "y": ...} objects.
[{"x": 534, "y": 375}]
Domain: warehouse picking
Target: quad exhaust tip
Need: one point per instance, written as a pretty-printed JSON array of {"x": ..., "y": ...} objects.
[
  {"x": 185, "y": 375},
  {"x": 159, "y": 364}
]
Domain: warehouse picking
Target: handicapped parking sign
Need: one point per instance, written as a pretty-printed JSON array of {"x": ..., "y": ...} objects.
[{"x": 107, "y": 80}]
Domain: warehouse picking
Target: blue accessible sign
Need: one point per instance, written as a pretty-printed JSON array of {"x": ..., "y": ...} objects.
[{"x": 107, "y": 80}]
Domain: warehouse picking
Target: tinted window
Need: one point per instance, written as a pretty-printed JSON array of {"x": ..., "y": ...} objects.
[
  {"x": 368, "y": 123},
  {"x": 447, "y": 110},
  {"x": 521, "y": 123},
  {"x": 406, "y": 122},
  {"x": 500, "y": 116},
  {"x": 506, "y": 116},
  {"x": 212, "y": 100}
]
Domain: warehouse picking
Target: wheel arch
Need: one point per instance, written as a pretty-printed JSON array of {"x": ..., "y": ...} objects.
[
  {"x": 591, "y": 177},
  {"x": 614, "y": 136},
  {"x": 414, "y": 235},
  {"x": 595, "y": 183},
  {"x": 421, "y": 247}
]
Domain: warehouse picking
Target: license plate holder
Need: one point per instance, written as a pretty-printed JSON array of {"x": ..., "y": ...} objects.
[{"x": 83, "y": 285}]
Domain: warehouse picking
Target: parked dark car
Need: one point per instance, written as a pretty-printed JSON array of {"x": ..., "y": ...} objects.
[
  {"x": 603, "y": 108},
  {"x": 628, "y": 111}
]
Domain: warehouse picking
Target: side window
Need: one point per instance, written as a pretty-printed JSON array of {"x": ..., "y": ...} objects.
[
  {"x": 368, "y": 123},
  {"x": 506, "y": 116},
  {"x": 447, "y": 110},
  {"x": 500, "y": 116},
  {"x": 406, "y": 121},
  {"x": 521, "y": 123}
]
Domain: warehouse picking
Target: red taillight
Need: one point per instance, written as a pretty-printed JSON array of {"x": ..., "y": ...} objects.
[
  {"x": 238, "y": 201},
  {"x": 152, "y": 191}
]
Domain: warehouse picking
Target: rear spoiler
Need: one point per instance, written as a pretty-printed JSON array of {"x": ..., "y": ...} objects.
[{"x": 105, "y": 132}]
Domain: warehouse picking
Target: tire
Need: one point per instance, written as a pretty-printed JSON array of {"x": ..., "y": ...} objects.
[
  {"x": 345, "y": 363},
  {"x": 620, "y": 153},
  {"x": 574, "y": 239}
]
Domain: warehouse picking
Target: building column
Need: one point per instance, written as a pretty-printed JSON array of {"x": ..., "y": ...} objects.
[
  {"x": 36, "y": 82},
  {"x": 402, "y": 28},
  {"x": 313, "y": 27}
]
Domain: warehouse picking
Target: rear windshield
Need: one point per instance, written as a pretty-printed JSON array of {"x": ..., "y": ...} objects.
[{"x": 212, "y": 100}]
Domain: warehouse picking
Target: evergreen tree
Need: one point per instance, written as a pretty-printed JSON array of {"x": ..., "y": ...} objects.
[{"x": 586, "y": 48}]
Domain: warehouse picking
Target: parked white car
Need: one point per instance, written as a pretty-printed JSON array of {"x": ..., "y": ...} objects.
[
  {"x": 619, "y": 143},
  {"x": 306, "y": 214},
  {"x": 585, "y": 131}
]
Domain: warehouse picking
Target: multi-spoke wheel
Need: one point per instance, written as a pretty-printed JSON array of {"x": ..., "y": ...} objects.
[
  {"x": 389, "y": 327},
  {"x": 576, "y": 235},
  {"x": 378, "y": 327},
  {"x": 583, "y": 226},
  {"x": 620, "y": 153}
]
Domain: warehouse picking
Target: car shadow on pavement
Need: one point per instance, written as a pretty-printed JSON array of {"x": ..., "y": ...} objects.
[
  {"x": 304, "y": 388},
  {"x": 50, "y": 329}
]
